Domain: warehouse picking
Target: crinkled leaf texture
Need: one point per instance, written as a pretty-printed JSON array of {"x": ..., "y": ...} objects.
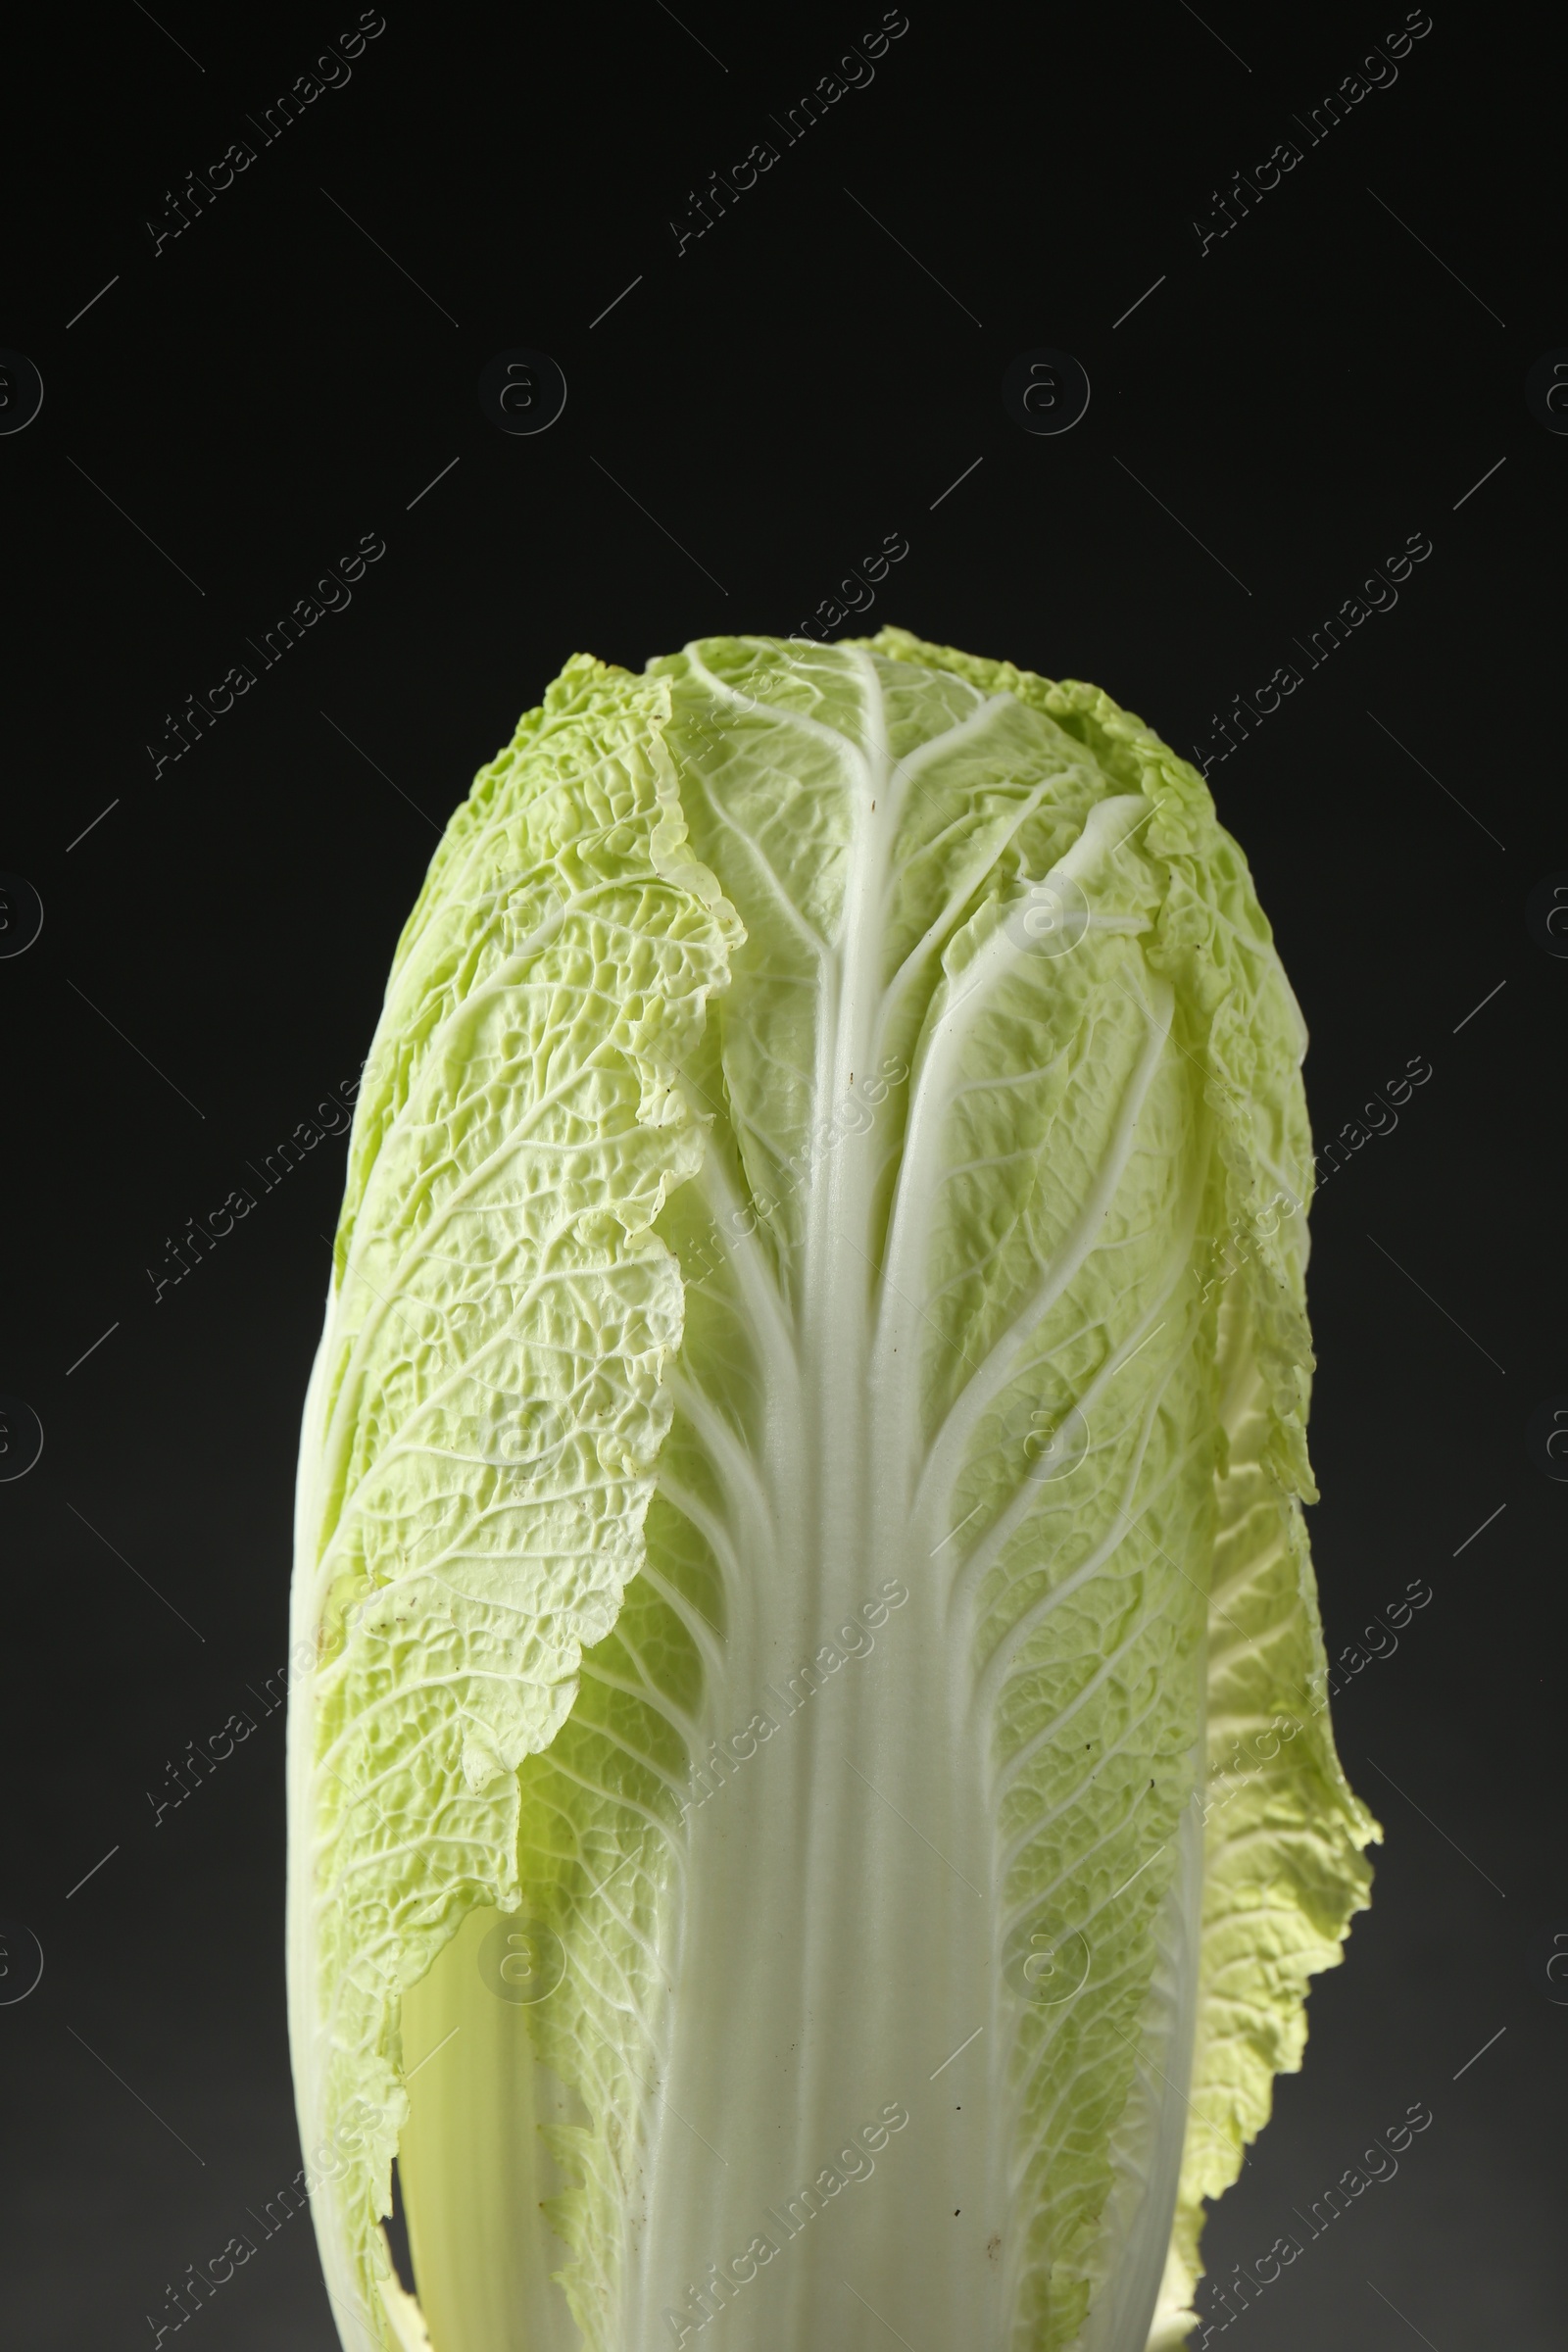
[{"x": 811, "y": 1801}]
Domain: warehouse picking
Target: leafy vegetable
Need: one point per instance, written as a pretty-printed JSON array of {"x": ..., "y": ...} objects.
[{"x": 814, "y": 1809}]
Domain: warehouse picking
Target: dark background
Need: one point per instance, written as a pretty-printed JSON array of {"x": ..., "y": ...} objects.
[{"x": 755, "y": 416}]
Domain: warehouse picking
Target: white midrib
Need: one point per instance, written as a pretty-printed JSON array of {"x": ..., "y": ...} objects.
[
  {"x": 835, "y": 1943},
  {"x": 839, "y": 1269}
]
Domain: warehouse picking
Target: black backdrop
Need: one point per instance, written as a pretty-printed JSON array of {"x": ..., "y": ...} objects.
[{"x": 1287, "y": 383}]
